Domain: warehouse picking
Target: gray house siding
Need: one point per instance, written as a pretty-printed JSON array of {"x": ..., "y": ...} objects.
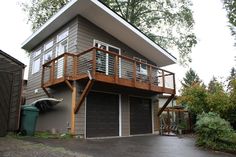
[
  {"x": 59, "y": 118},
  {"x": 88, "y": 32},
  {"x": 34, "y": 80},
  {"x": 81, "y": 37}
]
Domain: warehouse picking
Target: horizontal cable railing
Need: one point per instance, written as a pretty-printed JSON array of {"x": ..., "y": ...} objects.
[{"x": 109, "y": 64}]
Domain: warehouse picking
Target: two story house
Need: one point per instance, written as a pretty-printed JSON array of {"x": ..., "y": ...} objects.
[{"x": 107, "y": 72}]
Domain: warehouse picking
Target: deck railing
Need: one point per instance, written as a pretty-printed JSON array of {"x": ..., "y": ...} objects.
[{"x": 107, "y": 67}]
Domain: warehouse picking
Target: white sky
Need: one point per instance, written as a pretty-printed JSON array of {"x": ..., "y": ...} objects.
[{"x": 213, "y": 55}]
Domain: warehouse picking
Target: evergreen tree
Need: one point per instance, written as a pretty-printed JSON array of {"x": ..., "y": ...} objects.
[{"x": 190, "y": 78}]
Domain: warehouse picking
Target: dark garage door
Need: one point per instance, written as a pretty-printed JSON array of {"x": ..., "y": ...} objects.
[
  {"x": 140, "y": 116},
  {"x": 102, "y": 117},
  {"x": 5, "y": 99}
]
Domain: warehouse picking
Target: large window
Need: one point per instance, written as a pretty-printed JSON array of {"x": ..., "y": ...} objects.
[
  {"x": 47, "y": 51},
  {"x": 36, "y": 66}
]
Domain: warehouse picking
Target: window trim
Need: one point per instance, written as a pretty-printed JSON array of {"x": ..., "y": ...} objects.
[
  {"x": 66, "y": 31},
  {"x": 33, "y": 71},
  {"x": 50, "y": 43},
  {"x": 37, "y": 53}
]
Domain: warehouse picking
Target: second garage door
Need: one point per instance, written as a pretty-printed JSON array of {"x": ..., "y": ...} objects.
[
  {"x": 140, "y": 116},
  {"x": 102, "y": 117}
]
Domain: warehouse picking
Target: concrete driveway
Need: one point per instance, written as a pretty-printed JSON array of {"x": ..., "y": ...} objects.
[{"x": 139, "y": 146}]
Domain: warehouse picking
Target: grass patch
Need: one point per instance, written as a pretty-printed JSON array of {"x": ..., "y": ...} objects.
[{"x": 44, "y": 135}]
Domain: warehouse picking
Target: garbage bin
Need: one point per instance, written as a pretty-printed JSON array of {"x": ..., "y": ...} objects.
[{"x": 29, "y": 116}]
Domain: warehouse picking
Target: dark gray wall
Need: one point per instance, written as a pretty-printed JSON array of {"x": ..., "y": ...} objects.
[{"x": 10, "y": 65}]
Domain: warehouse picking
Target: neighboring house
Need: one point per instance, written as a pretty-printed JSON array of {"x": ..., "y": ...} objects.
[
  {"x": 164, "y": 98},
  {"x": 11, "y": 78},
  {"x": 104, "y": 68}
]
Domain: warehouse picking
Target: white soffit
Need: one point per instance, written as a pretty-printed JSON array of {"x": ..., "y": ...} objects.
[{"x": 103, "y": 17}]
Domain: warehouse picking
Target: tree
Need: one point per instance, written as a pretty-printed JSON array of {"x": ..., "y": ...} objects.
[
  {"x": 231, "y": 78},
  {"x": 214, "y": 86},
  {"x": 168, "y": 23},
  {"x": 190, "y": 78},
  {"x": 195, "y": 98},
  {"x": 39, "y": 11},
  {"x": 230, "y": 6}
]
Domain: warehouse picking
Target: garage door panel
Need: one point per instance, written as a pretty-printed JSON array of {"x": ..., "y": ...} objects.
[
  {"x": 140, "y": 116},
  {"x": 102, "y": 115}
]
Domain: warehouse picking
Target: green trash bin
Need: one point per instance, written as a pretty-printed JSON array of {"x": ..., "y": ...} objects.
[{"x": 29, "y": 116}]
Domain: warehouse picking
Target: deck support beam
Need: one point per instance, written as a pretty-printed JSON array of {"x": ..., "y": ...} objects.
[{"x": 166, "y": 103}]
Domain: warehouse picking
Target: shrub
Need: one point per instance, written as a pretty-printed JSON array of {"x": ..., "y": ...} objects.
[{"x": 212, "y": 130}]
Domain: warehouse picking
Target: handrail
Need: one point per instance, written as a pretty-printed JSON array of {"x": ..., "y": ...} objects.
[{"x": 152, "y": 70}]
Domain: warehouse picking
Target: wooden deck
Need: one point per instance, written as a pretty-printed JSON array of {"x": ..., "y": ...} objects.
[{"x": 108, "y": 67}]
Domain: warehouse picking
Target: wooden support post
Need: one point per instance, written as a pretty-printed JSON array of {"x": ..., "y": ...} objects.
[
  {"x": 73, "y": 103},
  {"x": 47, "y": 93},
  {"x": 83, "y": 95},
  {"x": 166, "y": 103},
  {"x": 42, "y": 76},
  {"x": 69, "y": 85}
]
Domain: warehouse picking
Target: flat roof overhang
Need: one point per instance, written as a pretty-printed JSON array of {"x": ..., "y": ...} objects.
[{"x": 105, "y": 18}]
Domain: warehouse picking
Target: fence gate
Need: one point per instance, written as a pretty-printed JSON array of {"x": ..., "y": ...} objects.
[{"x": 5, "y": 100}]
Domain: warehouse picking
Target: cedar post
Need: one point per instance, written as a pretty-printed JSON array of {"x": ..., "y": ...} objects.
[
  {"x": 73, "y": 107},
  {"x": 134, "y": 73},
  {"x": 116, "y": 69}
]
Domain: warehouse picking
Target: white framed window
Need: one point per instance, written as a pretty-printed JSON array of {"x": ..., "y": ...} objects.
[
  {"x": 47, "y": 57},
  {"x": 36, "y": 66},
  {"x": 141, "y": 68},
  {"x": 48, "y": 45},
  {"x": 62, "y": 35},
  {"x": 36, "y": 53}
]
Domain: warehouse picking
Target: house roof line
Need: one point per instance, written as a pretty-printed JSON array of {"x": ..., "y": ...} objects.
[
  {"x": 58, "y": 19},
  {"x": 137, "y": 29}
]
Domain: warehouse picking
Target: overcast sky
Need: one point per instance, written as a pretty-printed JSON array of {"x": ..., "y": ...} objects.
[{"x": 213, "y": 55}]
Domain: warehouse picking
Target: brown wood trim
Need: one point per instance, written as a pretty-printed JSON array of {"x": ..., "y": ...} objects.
[
  {"x": 83, "y": 95},
  {"x": 166, "y": 103},
  {"x": 73, "y": 103},
  {"x": 116, "y": 69},
  {"x": 69, "y": 85},
  {"x": 134, "y": 73},
  {"x": 65, "y": 66},
  {"x": 94, "y": 64},
  {"x": 75, "y": 65}
]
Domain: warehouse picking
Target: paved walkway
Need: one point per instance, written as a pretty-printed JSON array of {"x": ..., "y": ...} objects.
[{"x": 139, "y": 146}]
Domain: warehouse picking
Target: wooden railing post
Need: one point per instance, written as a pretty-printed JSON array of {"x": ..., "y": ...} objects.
[
  {"x": 174, "y": 83},
  {"x": 42, "y": 78},
  {"x": 116, "y": 69},
  {"x": 134, "y": 73},
  {"x": 163, "y": 78},
  {"x": 65, "y": 66},
  {"x": 150, "y": 77},
  {"x": 52, "y": 71},
  {"x": 94, "y": 61},
  {"x": 75, "y": 67}
]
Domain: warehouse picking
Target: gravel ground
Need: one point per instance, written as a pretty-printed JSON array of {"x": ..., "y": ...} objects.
[{"x": 11, "y": 147}]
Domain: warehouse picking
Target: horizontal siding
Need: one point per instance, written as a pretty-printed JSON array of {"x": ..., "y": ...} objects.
[
  {"x": 88, "y": 32},
  {"x": 34, "y": 80}
]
